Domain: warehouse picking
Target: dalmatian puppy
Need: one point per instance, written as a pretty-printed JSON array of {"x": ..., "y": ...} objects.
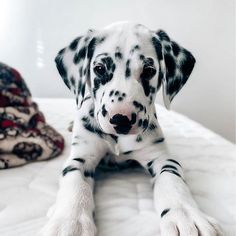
[{"x": 115, "y": 74}]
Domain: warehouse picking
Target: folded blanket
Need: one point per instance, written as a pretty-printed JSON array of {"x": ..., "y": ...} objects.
[{"x": 24, "y": 134}]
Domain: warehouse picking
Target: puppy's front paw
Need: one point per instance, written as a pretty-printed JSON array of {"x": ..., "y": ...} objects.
[
  {"x": 188, "y": 222},
  {"x": 59, "y": 226}
]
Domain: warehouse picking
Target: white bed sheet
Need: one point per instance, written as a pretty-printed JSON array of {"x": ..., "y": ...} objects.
[{"x": 124, "y": 204}]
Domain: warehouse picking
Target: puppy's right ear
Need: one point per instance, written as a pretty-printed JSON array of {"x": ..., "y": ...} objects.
[{"x": 73, "y": 64}]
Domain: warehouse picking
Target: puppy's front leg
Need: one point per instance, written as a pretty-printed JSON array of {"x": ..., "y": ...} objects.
[
  {"x": 73, "y": 214},
  {"x": 179, "y": 213}
]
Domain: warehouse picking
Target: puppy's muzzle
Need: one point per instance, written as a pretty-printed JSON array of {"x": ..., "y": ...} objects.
[{"x": 122, "y": 124}]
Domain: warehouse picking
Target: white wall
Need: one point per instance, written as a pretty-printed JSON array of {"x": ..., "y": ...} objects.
[{"x": 31, "y": 33}]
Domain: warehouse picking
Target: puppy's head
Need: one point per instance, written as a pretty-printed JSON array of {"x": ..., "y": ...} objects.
[{"x": 123, "y": 66}]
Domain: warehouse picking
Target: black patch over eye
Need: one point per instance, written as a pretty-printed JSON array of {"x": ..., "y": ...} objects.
[
  {"x": 100, "y": 70},
  {"x": 148, "y": 72}
]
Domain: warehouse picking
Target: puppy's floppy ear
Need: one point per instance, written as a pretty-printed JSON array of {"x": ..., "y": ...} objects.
[
  {"x": 73, "y": 63},
  {"x": 176, "y": 64}
]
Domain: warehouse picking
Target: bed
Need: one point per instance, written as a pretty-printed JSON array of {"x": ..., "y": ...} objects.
[{"x": 124, "y": 204}]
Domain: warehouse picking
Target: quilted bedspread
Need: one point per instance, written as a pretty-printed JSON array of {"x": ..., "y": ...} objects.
[{"x": 124, "y": 203}]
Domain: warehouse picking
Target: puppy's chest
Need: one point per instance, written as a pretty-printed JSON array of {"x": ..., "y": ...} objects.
[
  {"x": 128, "y": 143},
  {"x": 118, "y": 162},
  {"x": 122, "y": 152}
]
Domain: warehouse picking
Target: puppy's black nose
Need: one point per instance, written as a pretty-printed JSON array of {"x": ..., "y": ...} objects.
[
  {"x": 119, "y": 119},
  {"x": 121, "y": 123}
]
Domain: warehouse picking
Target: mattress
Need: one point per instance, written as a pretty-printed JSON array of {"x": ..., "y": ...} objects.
[{"x": 124, "y": 201}]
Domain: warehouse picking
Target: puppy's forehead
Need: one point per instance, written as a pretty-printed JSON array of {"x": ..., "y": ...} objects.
[{"x": 125, "y": 39}]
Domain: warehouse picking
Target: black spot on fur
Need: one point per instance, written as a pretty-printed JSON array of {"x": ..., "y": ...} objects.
[
  {"x": 133, "y": 118},
  {"x": 149, "y": 163},
  {"x": 113, "y": 68},
  {"x": 117, "y": 93},
  {"x": 81, "y": 72},
  {"x": 127, "y": 70},
  {"x": 146, "y": 87},
  {"x": 83, "y": 90},
  {"x": 187, "y": 64},
  {"x": 138, "y": 105},
  {"x": 4, "y": 162},
  {"x": 74, "y": 144},
  {"x": 86, "y": 98},
  {"x": 87, "y": 38},
  {"x": 139, "y": 138},
  {"x": 88, "y": 173},
  {"x": 160, "y": 140},
  {"x": 68, "y": 169},
  {"x": 61, "y": 68},
  {"x": 145, "y": 124},
  {"x": 164, "y": 212},
  {"x": 72, "y": 80},
  {"x": 88, "y": 126},
  {"x": 152, "y": 126},
  {"x": 160, "y": 77},
  {"x": 97, "y": 83},
  {"x": 163, "y": 35},
  {"x": 151, "y": 171},
  {"x": 140, "y": 122},
  {"x": 118, "y": 55},
  {"x": 114, "y": 137},
  {"x": 170, "y": 65},
  {"x": 171, "y": 171},
  {"x": 104, "y": 111},
  {"x": 79, "y": 160},
  {"x": 158, "y": 48},
  {"x": 120, "y": 99},
  {"x": 169, "y": 166},
  {"x": 111, "y": 93},
  {"x": 141, "y": 57},
  {"x": 61, "y": 51},
  {"x": 101, "y": 40},
  {"x": 135, "y": 48},
  {"x": 152, "y": 89},
  {"x": 175, "y": 48},
  {"x": 149, "y": 61},
  {"x": 80, "y": 55},
  {"x": 168, "y": 48},
  {"x": 174, "y": 161},
  {"x": 91, "y": 48},
  {"x": 128, "y": 152},
  {"x": 74, "y": 44},
  {"x": 91, "y": 112}
]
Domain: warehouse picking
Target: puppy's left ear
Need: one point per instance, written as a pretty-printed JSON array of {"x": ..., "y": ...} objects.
[{"x": 176, "y": 64}]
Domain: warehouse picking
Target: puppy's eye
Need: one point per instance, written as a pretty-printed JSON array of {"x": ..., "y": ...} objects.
[
  {"x": 100, "y": 70},
  {"x": 148, "y": 72}
]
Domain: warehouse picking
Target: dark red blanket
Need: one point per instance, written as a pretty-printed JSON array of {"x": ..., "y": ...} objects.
[{"x": 24, "y": 134}]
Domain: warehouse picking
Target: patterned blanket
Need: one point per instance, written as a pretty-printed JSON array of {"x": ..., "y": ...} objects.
[{"x": 24, "y": 134}]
